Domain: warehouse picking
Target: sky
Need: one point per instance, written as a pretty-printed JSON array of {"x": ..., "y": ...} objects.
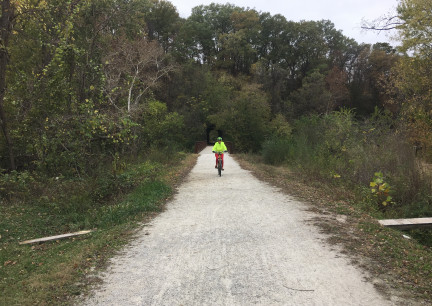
[{"x": 347, "y": 15}]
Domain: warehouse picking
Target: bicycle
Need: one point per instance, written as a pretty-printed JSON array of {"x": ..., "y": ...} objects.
[{"x": 219, "y": 164}]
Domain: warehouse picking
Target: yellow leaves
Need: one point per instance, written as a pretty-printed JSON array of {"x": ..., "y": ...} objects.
[
  {"x": 381, "y": 190},
  {"x": 25, "y": 5},
  {"x": 334, "y": 175},
  {"x": 384, "y": 188},
  {"x": 387, "y": 201},
  {"x": 43, "y": 4},
  {"x": 46, "y": 122}
]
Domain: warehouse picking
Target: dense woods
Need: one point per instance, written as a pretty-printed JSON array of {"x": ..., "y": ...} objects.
[
  {"x": 81, "y": 80},
  {"x": 87, "y": 83}
]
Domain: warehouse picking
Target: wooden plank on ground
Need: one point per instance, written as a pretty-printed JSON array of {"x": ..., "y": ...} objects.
[
  {"x": 55, "y": 237},
  {"x": 405, "y": 224}
]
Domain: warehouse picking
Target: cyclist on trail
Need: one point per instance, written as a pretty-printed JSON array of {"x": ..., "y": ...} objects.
[{"x": 219, "y": 147}]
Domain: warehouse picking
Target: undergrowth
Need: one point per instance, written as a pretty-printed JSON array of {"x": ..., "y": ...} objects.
[
  {"x": 111, "y": 204},
  {"x": 339, "y": 149}
]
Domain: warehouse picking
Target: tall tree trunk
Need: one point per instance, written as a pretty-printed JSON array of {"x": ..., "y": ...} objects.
[{"x": 5, "y": 30}]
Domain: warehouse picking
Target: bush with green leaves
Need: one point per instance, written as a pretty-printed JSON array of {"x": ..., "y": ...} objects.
[
  {"x": 19, "y": 185},
  {"x": 159, "y": 127},
  {"x": 244, "y": 119},
  {"x": 381, "y": 190},
  {"x": 275, "y": 151},
  {"x": 337, "y": 145}
]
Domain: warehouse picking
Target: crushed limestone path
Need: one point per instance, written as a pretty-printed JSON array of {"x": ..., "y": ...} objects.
[{"x": 232, "y": 240}]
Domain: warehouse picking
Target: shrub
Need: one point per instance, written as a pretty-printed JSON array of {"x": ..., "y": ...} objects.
[
  {"x": 276, "y": 151},
  {"x": 381, "y": 190},
  {"x": 338, "y": 145},
  {"x": 20, "y": 185},
  {"x": 244, "y": 119}
]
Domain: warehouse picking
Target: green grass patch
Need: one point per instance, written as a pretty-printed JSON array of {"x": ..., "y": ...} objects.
[
  {"x": 145, "y": 198},
  {"x": 50, "y": 273},
  {"x": 113, "y": 206}
]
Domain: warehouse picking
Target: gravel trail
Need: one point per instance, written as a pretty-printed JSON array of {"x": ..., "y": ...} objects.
[{"x": 232, "y": 240}]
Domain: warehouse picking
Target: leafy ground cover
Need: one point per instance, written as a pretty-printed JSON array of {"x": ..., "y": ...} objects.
[
  {"x": 54, "y": 272},
  {"x": 396, "y": 264}
]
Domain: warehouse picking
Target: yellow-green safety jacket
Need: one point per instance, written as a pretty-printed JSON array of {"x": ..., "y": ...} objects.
[{"x": 219, "y": 147}]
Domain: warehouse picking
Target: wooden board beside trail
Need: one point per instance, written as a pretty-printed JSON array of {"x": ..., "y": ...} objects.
[
  {"x": 407, "y": 223},
  {"x": 55, "y": 237}
]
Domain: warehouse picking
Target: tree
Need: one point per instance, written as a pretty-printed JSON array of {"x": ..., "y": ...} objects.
[
  {"x": 236, "y": 53},
  {"x": 162, "y": 22},
  {"x": 236, "y": 47},
  {"x": 159, "y": 127},
  {"x": 195, "y": 92},
  {"x": 369, "y": 69},
  {"x": 135, "y": 66},
  {"x": 414, "y": 31},
  {"x": 207, "y": 24},
  {"x": 245, "y": 118},
  {"x": 313, "y": 97},
  {"x": 410, "y": 85},
  {"x": 290, "y": 51},
  {"x": 337, "y": 85},
  {"x": 6, "y": 21},
  {"x": 275, "y": 58},
  {"x": 381, "y": 62},
  {"x": 274, "y": 39},
  {"x": 59, "y": 114}
]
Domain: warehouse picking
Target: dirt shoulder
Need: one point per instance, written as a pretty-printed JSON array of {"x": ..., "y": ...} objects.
[{"x": 396, "y": 264}]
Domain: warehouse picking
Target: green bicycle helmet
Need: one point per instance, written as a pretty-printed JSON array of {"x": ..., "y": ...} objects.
[{"x": 219, "y": 138}]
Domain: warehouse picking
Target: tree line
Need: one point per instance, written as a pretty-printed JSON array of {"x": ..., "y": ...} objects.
[{"x": 85, "y": 81}]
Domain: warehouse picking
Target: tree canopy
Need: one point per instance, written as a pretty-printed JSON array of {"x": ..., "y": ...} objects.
[{"x": 85, "y": 79}]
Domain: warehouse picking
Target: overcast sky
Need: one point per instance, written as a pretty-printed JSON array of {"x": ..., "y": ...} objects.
[{"x": 346, "y": 15}]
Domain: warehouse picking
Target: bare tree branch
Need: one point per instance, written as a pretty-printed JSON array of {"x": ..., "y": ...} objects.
[
  {"x": 385, "y": 23},
  {"x": 133, "y": 68}
]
